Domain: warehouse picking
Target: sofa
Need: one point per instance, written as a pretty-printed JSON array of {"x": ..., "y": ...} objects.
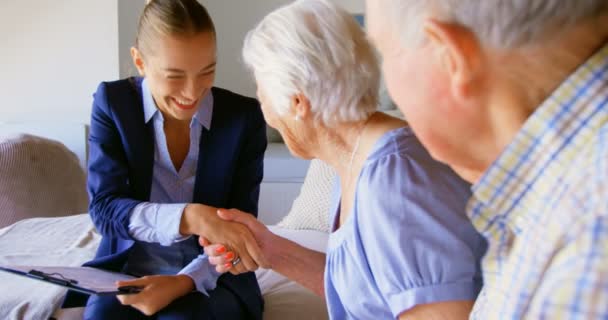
[
  {"x": 40, "y": 178},
  {"x": 54, "y": 238},
  {"x": 45, "y": 238}
]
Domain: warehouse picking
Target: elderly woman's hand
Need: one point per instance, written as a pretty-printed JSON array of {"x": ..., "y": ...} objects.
[
  {"x": 223, "y": 259},
  {"x": 219, "y": 256},
  {"x": 232, "y": 235}
]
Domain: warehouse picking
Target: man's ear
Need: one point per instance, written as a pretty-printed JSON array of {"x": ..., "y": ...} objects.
[
  {"x": 138, "y": 61},
  {"x": 458, "y": 52},
  {"x": 300, "y": 106}
]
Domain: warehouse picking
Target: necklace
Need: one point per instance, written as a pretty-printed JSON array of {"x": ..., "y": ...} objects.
[{"x": 355, "y": 149}]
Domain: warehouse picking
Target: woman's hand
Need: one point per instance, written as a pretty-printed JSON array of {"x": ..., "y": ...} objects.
[
  {"x": 218, "y": 256},
  {"x": 222, "y": 258},
  {"x": 202, "y": 221},
  {"x": 286, "y": 257},
  {"x": 157, "y": 292}
]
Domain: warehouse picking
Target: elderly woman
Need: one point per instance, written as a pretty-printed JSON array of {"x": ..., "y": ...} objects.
[{"x": 401, "y": 245}]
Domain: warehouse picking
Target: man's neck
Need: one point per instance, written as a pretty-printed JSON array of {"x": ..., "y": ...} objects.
[{"x": 534, "y": 72}]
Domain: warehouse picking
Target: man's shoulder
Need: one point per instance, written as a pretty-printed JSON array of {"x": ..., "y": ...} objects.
[
  {"x": 587, "y": 180},
  {"x": 602, "y": 141},
  {"x": 592, "y": 163},
  {"x": 597, "y": 171}
]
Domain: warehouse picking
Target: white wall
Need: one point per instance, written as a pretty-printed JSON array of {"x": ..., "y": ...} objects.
[
  {"x": 53, "y": 55},
  {"x": 233, "y": 18},
  {"x": 128, "y": 18}
]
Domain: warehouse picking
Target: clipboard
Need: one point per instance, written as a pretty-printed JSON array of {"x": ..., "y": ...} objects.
[{"x": 81, "y": 279}]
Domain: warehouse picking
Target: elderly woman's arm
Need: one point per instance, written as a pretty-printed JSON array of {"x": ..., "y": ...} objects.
[
  {"x": 286, "y": 257},
  {"x": 296, "y": 262},
  {"x": 449, "y": 310},
  {"x": 420, "y": 231}
]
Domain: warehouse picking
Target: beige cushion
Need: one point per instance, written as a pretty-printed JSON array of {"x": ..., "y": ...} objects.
[
  {"x": 284, "y": 298},
  {"x": 39, "y": 178},
  {"x": 310, "y": 210},
  {"x": 66, "y": 241},
  {"x": 70, "y": 241}
]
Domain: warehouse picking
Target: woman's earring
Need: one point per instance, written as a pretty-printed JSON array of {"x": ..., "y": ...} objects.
[{"x": 296, "y": 118}]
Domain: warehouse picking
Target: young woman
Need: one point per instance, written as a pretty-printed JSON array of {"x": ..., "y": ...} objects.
[{"x": 166, "y": 149}]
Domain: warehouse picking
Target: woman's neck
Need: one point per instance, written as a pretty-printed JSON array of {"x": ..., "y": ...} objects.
[
  {"x": 176, "y": 125},
  {"x": 336, "y": 145}
]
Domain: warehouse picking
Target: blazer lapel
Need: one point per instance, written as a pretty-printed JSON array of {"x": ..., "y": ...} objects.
[
  {"x": 143, "y": 147},
  {"x": 211, "y": 170}
]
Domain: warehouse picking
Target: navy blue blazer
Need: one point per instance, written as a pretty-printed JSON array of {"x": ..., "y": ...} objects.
[{"x": 121, "y": 155}]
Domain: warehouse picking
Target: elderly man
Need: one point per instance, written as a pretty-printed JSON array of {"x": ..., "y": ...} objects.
[{"x": 513, "y": 94}]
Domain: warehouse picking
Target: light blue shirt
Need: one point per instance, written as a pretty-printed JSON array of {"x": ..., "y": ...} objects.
[
  {"x": 407, "y": 240},
  {"x": 161, "y": 249}
]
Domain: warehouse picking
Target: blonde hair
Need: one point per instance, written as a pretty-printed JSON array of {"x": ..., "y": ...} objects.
[
  {"x": 171, "y": 17},
  {"x": 315, "y": 48}
]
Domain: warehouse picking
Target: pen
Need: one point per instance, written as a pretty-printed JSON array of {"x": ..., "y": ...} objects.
[{"x": 129, "y": 289}]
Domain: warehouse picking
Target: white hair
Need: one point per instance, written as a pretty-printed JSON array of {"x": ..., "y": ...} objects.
[
  {"x": 497, "y": 23},
  {"x": 315, "y": 48}
]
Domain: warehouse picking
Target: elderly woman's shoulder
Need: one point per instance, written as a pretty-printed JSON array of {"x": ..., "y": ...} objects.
[
  {"x": 399, "y": 142},
  {"x": 400, "y": 160}
]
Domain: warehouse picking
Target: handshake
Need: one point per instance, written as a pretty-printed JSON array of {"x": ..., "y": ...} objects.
[{"x": 235, "y": 241}]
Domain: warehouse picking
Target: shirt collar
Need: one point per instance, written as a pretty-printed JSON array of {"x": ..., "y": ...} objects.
[
  {"x": 203, "y": 115},
  {"x": 548, "y": 138}
]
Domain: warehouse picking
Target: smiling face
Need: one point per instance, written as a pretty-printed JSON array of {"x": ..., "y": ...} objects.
[{"x": 180, "y": 71}]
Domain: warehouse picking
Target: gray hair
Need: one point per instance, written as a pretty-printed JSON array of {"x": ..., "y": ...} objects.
[
  {"x": 315, "y": 48},
  {"x": 497, "y": 23}
]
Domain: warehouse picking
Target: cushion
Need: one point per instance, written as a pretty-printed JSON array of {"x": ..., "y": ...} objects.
[
  {"x": 56, "y": 245},
  {"x": 63, "y": 241},
  {"x": 286, "y": 299},
  {"x": 39, "y": 178},
  {"x": 310, "y": 210},
  {"x": 70, "y": 241}
]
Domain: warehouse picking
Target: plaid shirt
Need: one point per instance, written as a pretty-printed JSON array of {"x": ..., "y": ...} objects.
[{"x": 543, "y": 206}]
